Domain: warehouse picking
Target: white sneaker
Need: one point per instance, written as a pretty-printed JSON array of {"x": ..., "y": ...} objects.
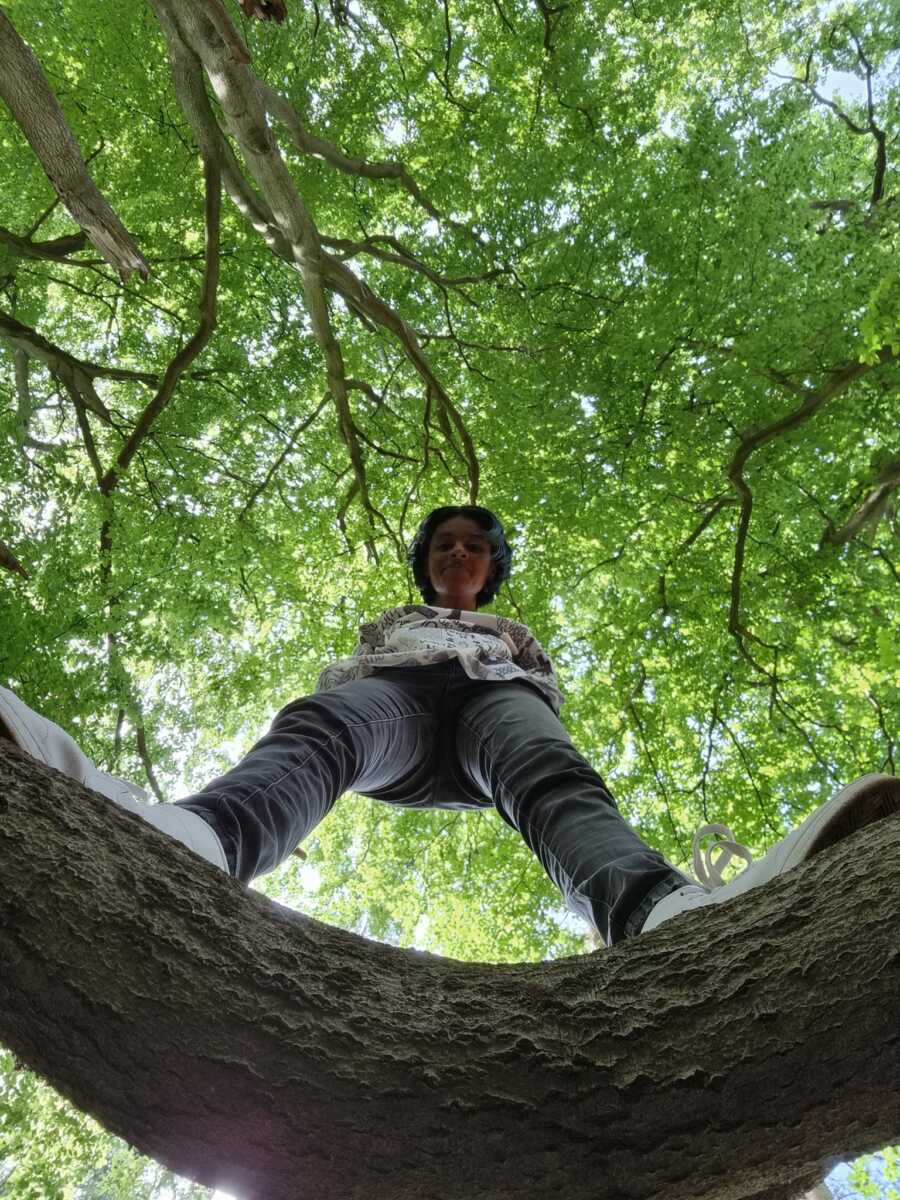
[
  {"x": 182, "y": 825},
  {"x": 50, "y": 744},
  {"x": 866, "y": 800}
]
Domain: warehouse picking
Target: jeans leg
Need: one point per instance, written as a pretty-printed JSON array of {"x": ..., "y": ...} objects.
[
  {"x": 365, "y": 735},
  {"x": 513, "y": 748}
]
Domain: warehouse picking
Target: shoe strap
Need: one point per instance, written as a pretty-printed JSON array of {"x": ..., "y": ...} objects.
[{"x": 711, "y": 861}]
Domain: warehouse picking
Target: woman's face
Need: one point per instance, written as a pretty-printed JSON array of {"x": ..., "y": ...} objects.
[{"x": 459, "y": 562}]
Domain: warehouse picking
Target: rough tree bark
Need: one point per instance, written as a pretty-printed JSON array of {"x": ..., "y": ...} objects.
[
  {"x": 729, "y": 1054},
  {"x": 36, "y": 110}
]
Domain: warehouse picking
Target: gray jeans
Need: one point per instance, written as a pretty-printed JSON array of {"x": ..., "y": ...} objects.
[{"x": 431, "y": 737}]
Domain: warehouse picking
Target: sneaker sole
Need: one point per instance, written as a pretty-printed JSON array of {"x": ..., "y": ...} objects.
[{"x": 866, "y": 800}]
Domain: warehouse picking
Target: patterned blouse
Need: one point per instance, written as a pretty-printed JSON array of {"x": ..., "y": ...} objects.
[{"x": 487, "y": 647}]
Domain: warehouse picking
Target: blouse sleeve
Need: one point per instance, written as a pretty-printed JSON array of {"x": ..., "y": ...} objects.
[
  {"x": 530, "y": 655},
  {"x": 372, "y": 633}
]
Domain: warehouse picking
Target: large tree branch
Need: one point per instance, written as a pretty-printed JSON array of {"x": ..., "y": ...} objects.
[
  {"x": 240, "y": 99},
  {"x": 187, "y": 77},
  {"x": 238, "y": 94},
  {"x": 37, "y": 112},
  {"x": 261, "y": 1051},
  {"x": 281, "y": 216},
  {"x": 75, "y": 374}
]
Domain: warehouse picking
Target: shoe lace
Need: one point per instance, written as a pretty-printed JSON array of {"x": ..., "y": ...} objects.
[{"x": 710, "y": 861}]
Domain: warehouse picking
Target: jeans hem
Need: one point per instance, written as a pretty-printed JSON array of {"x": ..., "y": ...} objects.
[{"x": 636, "y": 921}]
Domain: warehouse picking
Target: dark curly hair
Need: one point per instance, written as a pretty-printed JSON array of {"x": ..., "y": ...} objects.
[{"x": 501, "y": 553}]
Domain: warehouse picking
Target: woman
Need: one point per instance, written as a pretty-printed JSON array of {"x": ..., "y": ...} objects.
[{"x": 444, "y": 706}]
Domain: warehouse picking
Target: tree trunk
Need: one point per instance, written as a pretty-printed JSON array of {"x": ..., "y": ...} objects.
[{"x": 726, "y": 1055}]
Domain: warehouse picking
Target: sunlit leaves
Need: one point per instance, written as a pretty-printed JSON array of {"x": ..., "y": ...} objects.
[{"x": 687, "y": 245}]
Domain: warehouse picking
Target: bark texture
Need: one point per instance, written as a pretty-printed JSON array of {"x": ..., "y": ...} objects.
[
  {"x": 37, "y": 112},
  {"x": 730, "y": 1054}
]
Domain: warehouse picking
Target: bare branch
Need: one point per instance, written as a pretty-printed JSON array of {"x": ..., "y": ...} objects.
[
  {"x": 784, "y": 381},
  {"x": 714, "y": 510},
  {"x": 144, "y": 752},
  {"x": 877, "y": 134},
  {"x": 871, "y": 508},
  {"x": 869, "y": 129},
  {"x": 282, "y": 110},
  {"x": 387, "y": 453},
  {"x": 487, "y": 347},
  {"x": 187, "y": 76},
  {"x": 890, "y": 566},
  {"x": 405, "y": 258},
  {"x": 189, "y": 352},
  {"x": 841, "y": 206},
  {"x": 9, "y": 562},
  {"x": 839, "y": 381},
  {"x": 882, "y": 725},
  {"x": 285, "y": 220},
  {"x": 265, "y": 10},
  {"x": 742, "y": 754},
  {"x": 239, "y": 95},
  {"x": 378, "y": 399},
  {"x": 73, "y": 371},
  {"x": 291, "y": 442},
  {"x": 87, "y": 436},
  {"x": 57, "y": 249},
  {"x": 648, "y": 751},
  {"x": 23, "y": 399},
  {"x": 503, "y": 17},
  {"x": 362, "y": 299},
  {"x": 552, "y": 15},
  {"x": 36, "y": 110}
]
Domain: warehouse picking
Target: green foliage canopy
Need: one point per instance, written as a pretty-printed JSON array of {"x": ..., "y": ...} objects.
[{"x": 649, "y": 255}]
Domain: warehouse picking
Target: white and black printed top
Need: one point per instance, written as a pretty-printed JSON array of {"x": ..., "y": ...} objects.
[{"x": 487, "y": 647}]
